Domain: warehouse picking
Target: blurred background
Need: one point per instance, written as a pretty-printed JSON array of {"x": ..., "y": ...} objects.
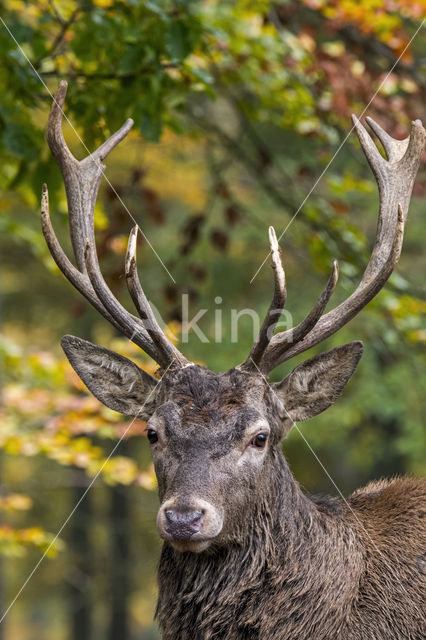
[{"x": 238, "y": 109}]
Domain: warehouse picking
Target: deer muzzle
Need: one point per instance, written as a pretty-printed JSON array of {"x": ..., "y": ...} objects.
[{"x": 191, "y": 526}]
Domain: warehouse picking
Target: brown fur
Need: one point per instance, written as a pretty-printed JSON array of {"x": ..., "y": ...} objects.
[{"x": 305, "y": 572}]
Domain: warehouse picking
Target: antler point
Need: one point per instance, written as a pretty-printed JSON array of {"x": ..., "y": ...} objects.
[
  {"x": 335, "y": 272},
  {"x": 130, "y": 261},
  {"x": 273, "y": 238}
]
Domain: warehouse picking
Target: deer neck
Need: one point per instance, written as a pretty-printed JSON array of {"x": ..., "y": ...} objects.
[{"x": 292, "y": 547}]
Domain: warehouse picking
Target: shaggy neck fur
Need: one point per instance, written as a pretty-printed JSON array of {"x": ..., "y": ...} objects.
[{"x": 285, "y": 575}]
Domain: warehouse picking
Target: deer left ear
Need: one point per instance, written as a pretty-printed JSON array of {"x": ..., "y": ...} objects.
[{"x": 314, "y": 385}]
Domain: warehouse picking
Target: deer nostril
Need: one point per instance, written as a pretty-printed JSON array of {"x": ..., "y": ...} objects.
[
  {"x": 182, "y": 525},
  {"x": 185, "y": 517}
]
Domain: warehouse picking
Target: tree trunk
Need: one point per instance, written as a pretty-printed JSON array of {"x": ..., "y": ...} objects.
[
  {"x": 81, "y": 573},
  {"x": 120, "y": 565}
]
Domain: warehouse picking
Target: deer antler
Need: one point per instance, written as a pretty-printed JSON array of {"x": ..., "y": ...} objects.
[
  {"x": 82, "y": 180},
  {"x": 395, "y": 179},
  {"x": 276, "y": 306}
]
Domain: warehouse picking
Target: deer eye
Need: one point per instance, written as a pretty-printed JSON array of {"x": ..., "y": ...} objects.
[
  {"x": 152, "y": 436},
  {"x": 259, "y": 441}
]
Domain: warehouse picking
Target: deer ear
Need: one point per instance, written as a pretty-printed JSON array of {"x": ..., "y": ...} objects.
[
  {"x": 113, "y": 379},
  {"x": 314, "y": 385}
]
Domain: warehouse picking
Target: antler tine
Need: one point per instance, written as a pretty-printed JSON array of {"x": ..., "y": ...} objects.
[
  {"x": 286, "y": 339},
  {"x": 124, "y": 319},
  {"x": 142, "y": 305},
  {"x": 395, "y": 149},
  {"x": 395, "y": 178},
  {"x": 78, "y": 279},
  {"x": 82, "y": 180},
  {"x": 54, "y": 133},
  {"x": 83, "y": 284},
  {"x": 330, "y": 322},
  {"x": 275, "y": 308}
]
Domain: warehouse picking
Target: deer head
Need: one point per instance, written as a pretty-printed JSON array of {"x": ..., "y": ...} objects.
[{"x": 215, "y": 437}]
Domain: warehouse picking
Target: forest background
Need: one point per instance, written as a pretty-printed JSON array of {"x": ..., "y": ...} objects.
[{"x": 242, "y": 115}]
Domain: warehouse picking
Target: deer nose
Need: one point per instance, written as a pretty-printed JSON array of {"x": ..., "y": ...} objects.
[{"x": 182, "y": 525}]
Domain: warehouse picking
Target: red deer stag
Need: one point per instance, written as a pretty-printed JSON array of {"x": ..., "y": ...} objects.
[{"x": 247, "y": 555}]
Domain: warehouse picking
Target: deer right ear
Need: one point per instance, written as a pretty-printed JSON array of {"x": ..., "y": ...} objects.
[
  {"x": 315, "y": 384},
  {"x": 113, "y": 379}
]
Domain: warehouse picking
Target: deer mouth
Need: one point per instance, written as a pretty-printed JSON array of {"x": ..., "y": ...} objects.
[
  {"x": 191, "y": 546},
  {"x": 196, "y": 543}
]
